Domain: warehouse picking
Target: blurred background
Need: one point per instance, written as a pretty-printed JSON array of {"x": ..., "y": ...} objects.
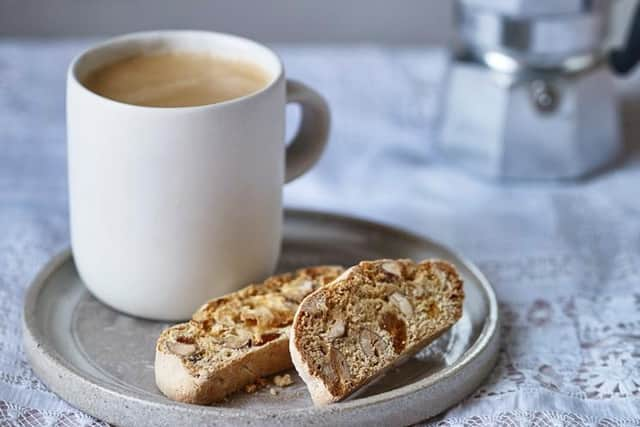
[
  {"x": 327, "y": 44},
  {"x": 288, "y": 21}
]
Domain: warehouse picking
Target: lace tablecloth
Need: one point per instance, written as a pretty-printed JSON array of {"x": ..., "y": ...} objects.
[{"x": 564, "y": 257}]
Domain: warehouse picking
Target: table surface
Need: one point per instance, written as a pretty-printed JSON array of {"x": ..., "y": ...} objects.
[{"x": 564, "y": 257}]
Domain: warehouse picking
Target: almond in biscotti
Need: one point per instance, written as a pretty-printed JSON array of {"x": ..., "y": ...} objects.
[
  {"x": 235, "y": 340},
  {"x": 371, "y": 318}
]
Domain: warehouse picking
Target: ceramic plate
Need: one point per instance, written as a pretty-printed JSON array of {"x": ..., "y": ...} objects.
[{"x": 101, "y": 361}]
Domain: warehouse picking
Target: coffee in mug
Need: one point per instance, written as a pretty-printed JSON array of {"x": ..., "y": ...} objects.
[{"x": 176, "y": 79}]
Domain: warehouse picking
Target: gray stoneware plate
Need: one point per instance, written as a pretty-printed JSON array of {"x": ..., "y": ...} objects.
[{"x": 101, "y": 361}]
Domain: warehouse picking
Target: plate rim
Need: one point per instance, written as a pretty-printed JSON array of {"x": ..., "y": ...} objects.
[{"x": 38, "y": 345}]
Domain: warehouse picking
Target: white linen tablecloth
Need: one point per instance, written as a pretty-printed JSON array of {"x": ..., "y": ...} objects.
[{"x": 564, "y": 257}]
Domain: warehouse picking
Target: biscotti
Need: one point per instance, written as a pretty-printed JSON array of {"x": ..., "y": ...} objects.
[
  {"x": 233, "y": 340},
  {"x": 375, "y": 315}
]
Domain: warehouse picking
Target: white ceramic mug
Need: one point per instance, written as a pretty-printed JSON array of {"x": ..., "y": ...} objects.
[{"x": 172, "y": 206}]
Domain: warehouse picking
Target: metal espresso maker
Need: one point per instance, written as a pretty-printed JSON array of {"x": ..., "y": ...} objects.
[{"x": 530, "y": 91}]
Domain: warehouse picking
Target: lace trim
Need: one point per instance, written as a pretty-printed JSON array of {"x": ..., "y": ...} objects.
[
  {"x": 13, "y": 415},
  {"x": 519, "y": 418},
  {"x": 595, "y": 352}
]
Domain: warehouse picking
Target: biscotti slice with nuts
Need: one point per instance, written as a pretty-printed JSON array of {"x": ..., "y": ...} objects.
[
  {"x": 234, "y": 340},
  {"x": 375, "y": 315}
]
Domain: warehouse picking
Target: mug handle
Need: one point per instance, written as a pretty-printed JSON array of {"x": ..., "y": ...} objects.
[{"x": 307, "y": 146}]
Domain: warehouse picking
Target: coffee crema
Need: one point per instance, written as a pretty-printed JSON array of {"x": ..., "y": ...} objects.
[{"x": 176, "y": 79}]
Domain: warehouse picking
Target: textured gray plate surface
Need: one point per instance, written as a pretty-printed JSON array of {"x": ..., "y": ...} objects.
[{"x": 101, "y": 361}]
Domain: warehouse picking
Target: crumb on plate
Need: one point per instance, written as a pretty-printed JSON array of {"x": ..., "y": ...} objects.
[
  {"x": 283, "y": 380},
  {"x": 255, "y": 386}
]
